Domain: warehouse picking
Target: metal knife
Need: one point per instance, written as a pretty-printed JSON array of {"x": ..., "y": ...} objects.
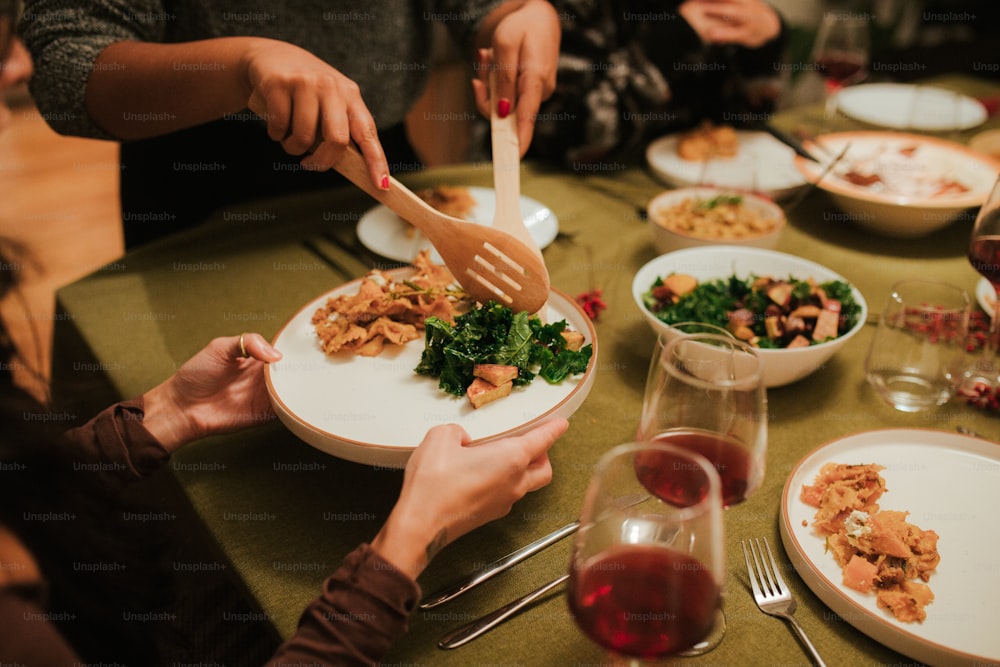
[
  {"x": 467, "y": 633},
  {"x": 498, "y": 566}
]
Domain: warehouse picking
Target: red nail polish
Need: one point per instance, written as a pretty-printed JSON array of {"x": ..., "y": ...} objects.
[
  {"x": 385, "y": 182},
  {"x": 503, "y": 107}
]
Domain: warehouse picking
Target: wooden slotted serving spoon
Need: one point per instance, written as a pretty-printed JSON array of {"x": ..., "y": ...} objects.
[
  {"x": 507, "y": 173},
  {"x": 490, "y": 264},
  {"x": 506, "y": 149}
]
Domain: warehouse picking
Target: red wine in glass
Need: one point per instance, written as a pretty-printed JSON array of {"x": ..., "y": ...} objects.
[
  {"x": 840, "y": 53},
  {"x": 644, "y": 601},
  {"x": 984, "y": 255},
  {"x": 841, "y": 67},
  {"x": 664, "y": 476}
]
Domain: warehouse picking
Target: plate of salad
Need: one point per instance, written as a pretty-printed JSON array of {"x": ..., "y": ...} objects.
[
  {"x": 376, "y": 409},
  {"x": 797, "y": 313}
]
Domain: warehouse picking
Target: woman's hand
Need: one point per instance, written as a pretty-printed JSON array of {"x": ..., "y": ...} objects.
[
  {"x": 310, "y": 107},
  {"x": 749, "y": 23},
  {"x": 525, "y": 45},
  {"x": 450, "y": 488},
  {"x": 219, "y": 390}
]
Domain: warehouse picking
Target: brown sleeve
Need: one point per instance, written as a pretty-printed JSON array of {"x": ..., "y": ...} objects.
[
  {"x": 363, "y": 609},
  {"x": 117, "y": 441}
]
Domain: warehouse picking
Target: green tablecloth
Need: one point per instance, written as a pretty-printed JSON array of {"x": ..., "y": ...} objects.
[{"x": 284, "y": 514}]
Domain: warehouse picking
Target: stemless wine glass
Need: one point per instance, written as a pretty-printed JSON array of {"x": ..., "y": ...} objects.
[
  {"x": 841, "y": 53},
  {"x": 984, "y": 255},
  {"x": 647, "y": 569},
  {"x": 917, "y": 354},
  {"x": 705, "y": 393}
]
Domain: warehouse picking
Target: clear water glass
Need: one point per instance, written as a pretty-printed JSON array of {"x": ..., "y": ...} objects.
[{"x": 917, "y": 356}]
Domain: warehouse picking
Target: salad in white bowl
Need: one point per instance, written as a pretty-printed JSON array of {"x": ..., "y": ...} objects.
[{"x": 796, "y": 312}]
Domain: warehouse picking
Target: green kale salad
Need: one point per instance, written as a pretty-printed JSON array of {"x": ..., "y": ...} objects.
[
  {"x": 494, "y": 334},
  {"x": 765, "y": 311}
]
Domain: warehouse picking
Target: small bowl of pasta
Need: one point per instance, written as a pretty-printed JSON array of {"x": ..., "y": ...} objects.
[{"x": 698, "y": 216}]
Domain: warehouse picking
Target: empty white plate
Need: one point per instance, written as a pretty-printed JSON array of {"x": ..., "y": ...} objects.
[
  {"x": 905, "y": 106},
  {"x": 385, "y": 233}
]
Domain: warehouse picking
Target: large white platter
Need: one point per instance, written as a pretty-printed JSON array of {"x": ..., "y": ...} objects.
[
  {"x": 376, "y": 410},
  {"x": 383, "y": 232},
  {"x": 949, "y": 483},
  {"x": 906, "y": 200},
  {"x": 763, "y": 164},
  {"x": 904, "y": 106}
]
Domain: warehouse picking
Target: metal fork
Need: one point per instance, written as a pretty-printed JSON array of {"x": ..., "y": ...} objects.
[{"x": 770, "y": 592}]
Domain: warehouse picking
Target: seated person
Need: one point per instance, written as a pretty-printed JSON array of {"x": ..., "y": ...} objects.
[
  {"x": 633, "y": 70},
  {"x": 62, "y": 495},
  {"x": 448, "y": 490}
]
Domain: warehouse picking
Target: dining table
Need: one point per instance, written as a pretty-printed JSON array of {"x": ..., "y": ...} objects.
[{"x": 283, "y": 514}]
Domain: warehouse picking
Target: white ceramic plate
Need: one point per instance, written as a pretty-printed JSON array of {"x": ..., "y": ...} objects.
[
  {"x": 986, "y": 296},
  {"x": 950, "y": 484},
  {"x": 762, "y": 164},
  {"x": 375, "y": 410},
  {"x": 383, "y": 232},
  {"x": 904, "y": 106}
]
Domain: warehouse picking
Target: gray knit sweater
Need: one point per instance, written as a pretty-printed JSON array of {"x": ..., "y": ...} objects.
[{"x": 382, "y": 45}]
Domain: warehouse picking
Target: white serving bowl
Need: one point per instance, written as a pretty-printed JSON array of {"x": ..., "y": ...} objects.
[
  {"x": 667, "y": 240},
  {"x": 782, "y": 366},
  {"x": 987, "y": 143},
  {"x": 901, "y": 205}
]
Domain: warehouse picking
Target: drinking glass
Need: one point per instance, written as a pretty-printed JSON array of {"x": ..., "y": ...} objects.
[
  {"x": 687, "y": 328},
  {"x": 984, "y": 255},
  {"x": 647, "y": 569},
  {"x": 705, "y": 393},
  {"x": 917, "y": 355},
  {"x": 841, "y": 53}
]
